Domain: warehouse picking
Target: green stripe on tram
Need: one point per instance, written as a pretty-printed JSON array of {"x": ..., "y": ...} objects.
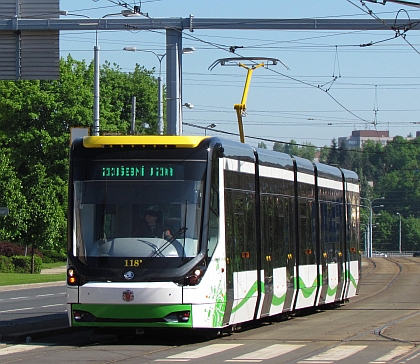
[{"x": 132, "y": 315}]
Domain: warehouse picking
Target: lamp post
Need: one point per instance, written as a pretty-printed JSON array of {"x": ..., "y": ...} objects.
[
  {"x": 366, "y": 232},
  {"x": 160, "y": 57},
  {"x": 399, "y": 245},
  {"x": 369, "y": 252},
  {"x": 210, "y": 126},
  {"x": 96, "y": 78},
  {"x": 160, "y": 88}
]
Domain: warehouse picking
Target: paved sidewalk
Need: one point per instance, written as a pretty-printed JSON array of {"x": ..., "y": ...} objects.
[{"x": 54, "y": 270}]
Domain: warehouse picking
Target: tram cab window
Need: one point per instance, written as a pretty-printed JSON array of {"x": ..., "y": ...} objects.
[{"x": 107, "y": 213}]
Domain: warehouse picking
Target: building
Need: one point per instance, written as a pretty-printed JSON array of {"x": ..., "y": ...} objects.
[{"x": 358, "y": 137}]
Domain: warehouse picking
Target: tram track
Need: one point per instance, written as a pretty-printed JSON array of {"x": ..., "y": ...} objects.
[{"x": 374, "y": 267}]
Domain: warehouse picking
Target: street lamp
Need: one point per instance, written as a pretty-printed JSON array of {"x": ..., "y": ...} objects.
[
  {"x": 366, "y": 232},
  {"x": 210, "y": 126},
  {"x": 160, "y": 57},
  {"x": 400, "y": 232},
  {"x": 160, "y": 88},
  {"x": 369, "y": 253}
]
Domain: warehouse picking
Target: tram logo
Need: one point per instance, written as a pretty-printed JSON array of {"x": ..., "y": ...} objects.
[
  {"x": 129, "y": 275},
  {"x": 128, "y": 295}
]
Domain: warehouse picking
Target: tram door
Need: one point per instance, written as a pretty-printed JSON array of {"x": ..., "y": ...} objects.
[
  {"x": 241, "y": 255},
  {"x": 278, "y": 266}
]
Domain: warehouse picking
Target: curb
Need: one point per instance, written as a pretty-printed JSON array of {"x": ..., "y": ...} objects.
[
  {"x": 28, "y": 336},
  {"x": 32, "y": 285}
]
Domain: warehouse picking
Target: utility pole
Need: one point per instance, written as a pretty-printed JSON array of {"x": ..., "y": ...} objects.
[{"x": 12, "y": 27}]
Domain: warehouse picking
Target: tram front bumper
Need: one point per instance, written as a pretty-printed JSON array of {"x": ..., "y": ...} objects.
[{"x": 111, "y": 315}]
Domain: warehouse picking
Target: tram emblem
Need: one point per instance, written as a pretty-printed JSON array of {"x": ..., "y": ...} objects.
[
  {"x": 129, "y": 275},
  {"x": 128, "y": 295}
]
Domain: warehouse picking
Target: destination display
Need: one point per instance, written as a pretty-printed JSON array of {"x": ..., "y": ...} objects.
[{"x": 139, "y": 171}]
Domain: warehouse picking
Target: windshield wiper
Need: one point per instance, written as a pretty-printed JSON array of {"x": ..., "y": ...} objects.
[{"x": 168, "y": 242}]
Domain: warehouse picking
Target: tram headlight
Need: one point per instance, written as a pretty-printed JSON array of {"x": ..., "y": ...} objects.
[
  {"x": 195, "y": 277},
  {"x": 71, "y": 277}
]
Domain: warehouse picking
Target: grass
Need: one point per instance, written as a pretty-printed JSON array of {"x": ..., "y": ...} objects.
[
  {"x": 53, "y": 265},
  {"x": 11, "y": 279}
]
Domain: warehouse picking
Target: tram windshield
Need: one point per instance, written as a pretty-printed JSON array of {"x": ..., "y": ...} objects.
[{"x": 132, "y": 219}]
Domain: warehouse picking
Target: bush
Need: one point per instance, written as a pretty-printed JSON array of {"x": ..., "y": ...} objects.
[
  {"x": 23, "y": 264},
  {"x": 49, "y": 256},
  {"x": 10, "y": 249},
  {"x": 6, "y": 265}
]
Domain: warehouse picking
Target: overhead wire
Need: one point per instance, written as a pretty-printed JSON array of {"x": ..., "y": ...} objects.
[{"x": 225, "y": 47}]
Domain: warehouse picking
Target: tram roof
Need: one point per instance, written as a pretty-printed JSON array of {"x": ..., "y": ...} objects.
[{"x": 165, "y": 141}]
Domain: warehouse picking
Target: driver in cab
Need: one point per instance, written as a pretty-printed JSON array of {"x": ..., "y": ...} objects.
[{"x": 151, "y": 227}]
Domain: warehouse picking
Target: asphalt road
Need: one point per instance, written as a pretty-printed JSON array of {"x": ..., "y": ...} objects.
[
  {"x": 29, "y": 308},
  {"x": 381, "y": 325}
]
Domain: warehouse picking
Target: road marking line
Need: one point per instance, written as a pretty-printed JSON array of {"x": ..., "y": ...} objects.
[
  {"x": 57, "y": 304},
  {"x": 266, "y": 353},
  {"x": 20, "y": 348},
  {"x": 18, "y": 309},
  {"x": 200, "y": 352},
  {"x": 398, "y": 351},
  {"x": 32, "y": 308},
  {"x": 338, "y": 353},
  {"x": 45, "y": 295}
]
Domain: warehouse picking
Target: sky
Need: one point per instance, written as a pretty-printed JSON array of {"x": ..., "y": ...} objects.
[{"x": 333, "y": 85}]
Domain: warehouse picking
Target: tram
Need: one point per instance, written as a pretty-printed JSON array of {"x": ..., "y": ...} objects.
[{"x": 248, "y": 233}]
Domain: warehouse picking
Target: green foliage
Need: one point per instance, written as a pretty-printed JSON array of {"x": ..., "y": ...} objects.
[
  {"x": 262, "y": 145},
  {"x": 307, "y": 151},
  {"x": 52, "y": 256},
  {"x": 11, "y": 279},
  {"x": 332, "y": 157},
  {"x": 35, "y": 122},
  {"x": 11, "y": 196},
  {"x": 19, "y": 264},
  {"x": 6, "y": 265},
  {"x": 22, "y": 264}
]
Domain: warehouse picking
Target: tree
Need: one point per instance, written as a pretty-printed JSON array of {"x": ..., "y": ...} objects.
[
  {"x": 332, "y": 158},
  {"x": 35, "y": 122},
  {"x": 307, "y": 151},
  {"x": 262, "y": 145},
  {"x": 323, "y": 154},
  {"x": 279, "y": 147},
  {"x": 11, "y": 196},
  {"x": 345, "y": 157}
]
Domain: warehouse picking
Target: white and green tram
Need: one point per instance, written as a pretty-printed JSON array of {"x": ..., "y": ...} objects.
[{"x": 253, "y": 233}]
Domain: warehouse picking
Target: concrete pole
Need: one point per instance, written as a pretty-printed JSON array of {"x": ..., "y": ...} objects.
[
  {"x": 133, "y": 115},
  {"x": 96, "y": 75},
  {"x": 399, "y": 242},
  {"x": 173, "y": 81},
  {"x": 160, "y": 108},
  {"x": 371, "y": 230}
]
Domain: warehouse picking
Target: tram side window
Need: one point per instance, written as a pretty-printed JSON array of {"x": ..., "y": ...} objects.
[
  {"x": 230, "y": 248},
  {"x": 214, "y": 221},
  {"x": 281, "y": 235},
  {"x": 337, "y": 227},
  {"x": 327, "y": 245},
  {"x": 306, "y": 238},
  {"x": 240, "y": 230},
  {"x": 268, "y": 225},
  {"x": 353, "y": 233}
]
